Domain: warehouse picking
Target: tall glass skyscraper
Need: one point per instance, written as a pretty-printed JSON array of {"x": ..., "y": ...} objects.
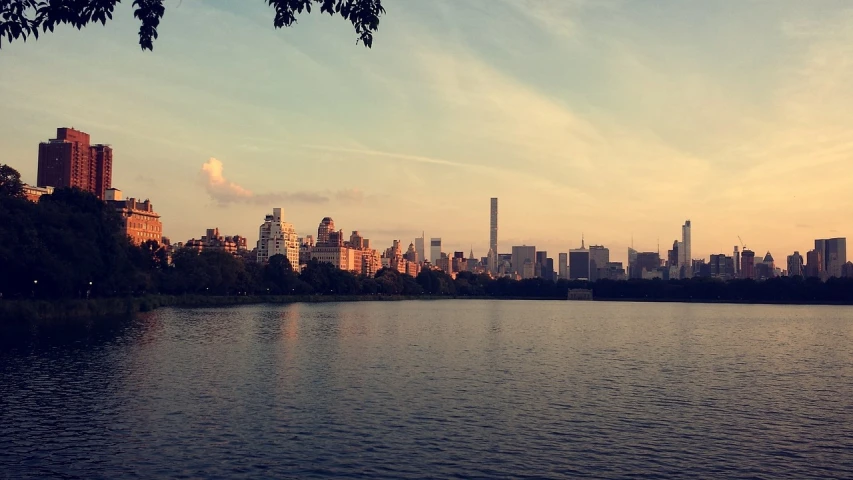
[
  {"x": 493, "y": 237},
  {"x": 685, "y": 260}
]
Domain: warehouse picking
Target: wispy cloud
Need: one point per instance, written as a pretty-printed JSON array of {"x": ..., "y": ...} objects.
[
  {"x": 379, "y": 153},
  {"x": 226, "y": 192}
]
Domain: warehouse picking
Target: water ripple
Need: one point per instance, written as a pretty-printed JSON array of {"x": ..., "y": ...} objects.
[{"x": 444, "y": 389}]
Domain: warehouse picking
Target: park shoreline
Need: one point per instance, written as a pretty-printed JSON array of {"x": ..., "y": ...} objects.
[{"x": 74, "y": 309}]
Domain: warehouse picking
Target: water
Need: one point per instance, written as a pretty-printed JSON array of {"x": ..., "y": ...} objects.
[{"x": 441, "y": 389}]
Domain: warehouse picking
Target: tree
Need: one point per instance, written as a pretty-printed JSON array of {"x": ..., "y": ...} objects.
[
  {"x": 25, "y": 18},
  {"x": 10, "y": 182}
]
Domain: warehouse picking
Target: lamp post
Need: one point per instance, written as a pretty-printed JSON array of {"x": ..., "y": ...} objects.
[
  {"x": 89, "y": 290},
  {"x": 35, "y": 285}
]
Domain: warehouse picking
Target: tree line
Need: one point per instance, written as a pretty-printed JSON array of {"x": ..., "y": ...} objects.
[{"x": 71, "y": 245}]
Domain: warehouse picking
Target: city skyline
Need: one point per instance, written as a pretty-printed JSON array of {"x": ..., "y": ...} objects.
[
  {"x": 70, "y": 152},
  {"x": 630, "y": 146}
]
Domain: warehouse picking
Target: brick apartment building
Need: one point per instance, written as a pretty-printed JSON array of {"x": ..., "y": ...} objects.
[
  {"x": 141, "y": 223},
  {"x": 70, "y": 161}
]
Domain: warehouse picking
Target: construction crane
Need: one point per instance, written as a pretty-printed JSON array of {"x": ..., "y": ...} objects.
[{"x": 743, "y": 245}]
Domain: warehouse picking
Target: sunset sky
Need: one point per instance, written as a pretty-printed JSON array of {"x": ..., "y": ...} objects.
[{"x": 604, "y": 118}]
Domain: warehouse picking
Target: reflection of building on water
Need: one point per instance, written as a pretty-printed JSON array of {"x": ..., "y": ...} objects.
[
  {"x": 290, "y": 321},
  {"x": 580, "y": 294}
]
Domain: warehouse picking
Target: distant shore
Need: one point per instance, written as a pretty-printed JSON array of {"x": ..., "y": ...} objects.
[{"x": 47, "y": 310}]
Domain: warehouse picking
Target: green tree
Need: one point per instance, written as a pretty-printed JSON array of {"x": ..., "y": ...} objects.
[
  {"x": 279, "y": 277},
  {"x": 10, "y": 181},
  {"x": 25, "y": 18}
]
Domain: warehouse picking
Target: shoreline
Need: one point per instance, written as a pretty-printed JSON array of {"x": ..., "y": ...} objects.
[{"x": 17, "y": 311}]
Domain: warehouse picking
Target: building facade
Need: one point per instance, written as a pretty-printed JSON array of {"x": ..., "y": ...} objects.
[
  {"x": 33, "y": 194},
  {"x": 70, "y": 161},
  {"x": 833, "y": 251},
  {"x": 645, "y": 264},
  {"x": 139, "y": 220},
  {"x": 520, "y": 255},
  {"x": 277, "y": 237},
  {"x": 435, "y": 250},
  {"x": 747, "y": 264},
  {"x": 685, "y": 252},
  {"x": 795, "y": 265},
  {"x": 599, "y": 257},
  {"x": 493, "y": 236},
  {"x": 579, "y": 264},
  {"x": 420, "y": 247}
]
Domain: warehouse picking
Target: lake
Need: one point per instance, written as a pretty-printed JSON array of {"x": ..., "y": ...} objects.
[{"x": 433, "y": 389}]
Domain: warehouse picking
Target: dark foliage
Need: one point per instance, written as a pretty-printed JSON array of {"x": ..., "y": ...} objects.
[
  {"x": 10, "y": 182},
  {"x": 20, "y": 19}
]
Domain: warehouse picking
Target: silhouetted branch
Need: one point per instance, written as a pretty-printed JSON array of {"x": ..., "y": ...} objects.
[{"x": 20, "y": 19}]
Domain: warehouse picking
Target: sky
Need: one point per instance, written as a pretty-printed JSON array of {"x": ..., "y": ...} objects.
[{"x": 612, "y": 120}]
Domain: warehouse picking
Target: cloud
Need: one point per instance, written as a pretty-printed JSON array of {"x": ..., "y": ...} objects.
[{"x": 226, "y": 192}]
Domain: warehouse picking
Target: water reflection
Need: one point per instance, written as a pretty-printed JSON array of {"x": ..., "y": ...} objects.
[{"x": 433, "y": 389}]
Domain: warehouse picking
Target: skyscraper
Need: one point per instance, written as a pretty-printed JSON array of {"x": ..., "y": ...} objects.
[
  {"x": 834, "y": 254},
  {"x": 69, "y": 161},
  {"x": 102, "y": 169},
  {"x": 327, "y": 226},
  {"x": 541, "y": 266},
  {"x": 275, "y": 236},
  {"x": 579, "y": 263},
  {"x": 645, "y": 263},
  {"x": 685, "y": 259},
  {"x": 434, "y": 250},
  {"x": 493, "y": 226},
  {"x": 492, "y": 255},
  {"x": 672, "y": 255},
  {"x": 599, "y": 257},
  {"x": 814, "y": 264},
  {"x": 563, "y": 267},
  {"x": 747, "y": 264},
  {"x": 795, "y": 265},
  {"x": 420, "y": 247},
  {"x": 521, "y": 255},
  {"x": 736, "y": 259}
]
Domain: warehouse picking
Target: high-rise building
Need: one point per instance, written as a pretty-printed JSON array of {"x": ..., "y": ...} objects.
[
  {"x": 541, "y": 266},
  {"x": 139, "y": 220},
  {"x": 520, "y": 255},
  {"x": 766, "y": 268},
  {"x": 102, "y": 168},
  {"x": 420, "y": 247},
  {"x": 275, "y": 236},
  {"x": 493, "y": 225},
  {"x": 736, "y": 261},
  {"x": 632, "y": 259},
  {"x": 834, "y": 254},
  {"x": 327, "y": 226},
  {"x": 614, "y": 271},
  {"x": 579, "y": 263},
  {"x": 747, "y": 264},
  {"x": 814, "y": 263},
  {"x": 563, "y": 265},
  {"x": 644, "y": 264},
  {"x": 717, "y": 265},
  {"x": 599, "y": 257},
  {"x": 672, "y": 255},
  {"x": 434, "y": 250},
  {"x": 684, "y": 252},
  {"x": 70, "y": 161},
  {"x": 356, "y": 241},
  {"x": 795, "y": 265}
]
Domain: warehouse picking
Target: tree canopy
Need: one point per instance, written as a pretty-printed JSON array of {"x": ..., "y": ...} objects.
[
  {"x": 10, "y": 182},
  {"x": 20, "y": 19}
]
